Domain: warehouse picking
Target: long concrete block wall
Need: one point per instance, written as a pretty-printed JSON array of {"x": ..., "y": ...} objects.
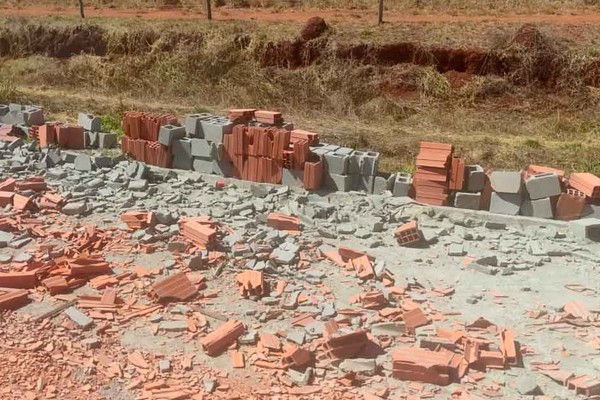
[{"x": 259, "y": 146}]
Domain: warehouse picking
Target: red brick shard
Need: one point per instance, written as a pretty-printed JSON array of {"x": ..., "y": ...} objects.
[
  {"x": 6, "y": 198},
  {"x": 408, "y": 233},
  {"x": 176, "y": 287},
  {"x": 296, "y": 357},
  {"x": 251, "y": 283},
  {"x": 414, "y": 319},
  {"x": 56, "y": 285},
  {"x": 421, "y": 365},
  {"x": 87, "y": 266},
  {"x": 18, "y": 280},
  {"x": 221, "y": 338},
  {"x": 283, "y": 222},
  {"x": 12, "y": 298},
  {"x": 199, "y": 231},
  {"x": 340, "y": 345},
  {"x": 457, "y": 174},
  {"x": 138, "y": 219}
]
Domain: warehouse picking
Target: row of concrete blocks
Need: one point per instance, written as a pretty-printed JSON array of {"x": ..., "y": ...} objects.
[
  {"x": 25, "y": 115},
  {"x": 212, "y": 127},
  {"x": 94, "y": 137},
  {"x": 508, "y": 204}
]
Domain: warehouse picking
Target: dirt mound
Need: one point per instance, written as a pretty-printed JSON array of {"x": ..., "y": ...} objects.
[{"x": 314, "y": 28}]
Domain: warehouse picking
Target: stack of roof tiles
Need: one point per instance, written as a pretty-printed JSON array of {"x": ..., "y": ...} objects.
[
  {"x": 63, "y": 135},
  {"x": 432, "y": 178},
  {"x": 141, "y": 137}
]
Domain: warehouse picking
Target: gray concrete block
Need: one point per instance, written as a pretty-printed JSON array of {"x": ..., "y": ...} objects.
[
  {"x": 344, "y": 151},
  {"x": 79, "y": 318},
  {"x": 539, "y": 208},
  {"x": 32, "y": 115},
  {"x": 342, "y": 183},
  {"x": 218, "y": 151},
  {"x": 103, "y": 162},
  {"x": 202, "y": 148},
  {"x": 475, "y": 178},
  {"x": 169, "y": 133},
  {"x": 204, "y": 166},
  {"x": 381, "y": 184},
  {"x": 402, "y": 183},
  {"x": 546, "y": 184},
  {"x": 320, "y": 152},
  {"x": 215, "y": 127},
  {"x": 3, "y": 110},
  {"x": 69, "y": 156},
  {"x": 469, "y": 201},
  {"x": 506, "y": 181},
  {"x": 193, "y": 127},
  {"x": 223, "y": 168},
  {"x": 91, "y": 139},
  {"x": 587, "y": 228},
  {"x": 83, "y": 162},
  {"x": 89, "y": 122},
  {"x": 107, "y": 140},
  {"x": 355, "y": 162},
  {"x": 506, "y": 203},
  {"x": 369, "y": 163},
  {"x": 182, "y": 154},
  {"x": 336, "y": 164},
  {"x": 292, "y": 178}
]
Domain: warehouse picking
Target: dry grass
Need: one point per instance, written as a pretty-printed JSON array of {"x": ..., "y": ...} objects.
[
  {"x": 493, "y": 120},
  {"x": 410, "y": 6}
]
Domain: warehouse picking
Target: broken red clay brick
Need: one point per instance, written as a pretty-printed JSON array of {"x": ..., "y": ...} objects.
[
  {"x": 251, "y": 283},
  {"x": 283, "y": 222},
  {"x": 339, "y": 344},
  {"x": 6, "y": 198},
  {"x": 22, "y": 203},
  {"x": 421, "y": 365},
  {"x": 56, "y": 285},
  {"x": 414, "y": 319},
  {"x": 12, "y": 298},
  {"x": 585, "y": 182},
  {"x": 18, "y": 280},
  {"x": 138, "y": 219},
  {"x": 176, "y": 287},
  {"x": 408, "y": 233},
  {"x": 199, "y": 230},
  {"x": 8, "y": 185},
  {"x": 221, "y": 338},
  {"x": 296, "y": 356},
  {"x": 86, "y": 266}
]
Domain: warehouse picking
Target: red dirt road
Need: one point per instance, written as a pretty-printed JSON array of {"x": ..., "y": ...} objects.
[{"x": 350, "y": 16}]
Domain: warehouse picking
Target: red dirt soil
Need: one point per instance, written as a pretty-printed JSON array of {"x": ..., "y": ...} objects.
[{"x": 347, "y": 16}]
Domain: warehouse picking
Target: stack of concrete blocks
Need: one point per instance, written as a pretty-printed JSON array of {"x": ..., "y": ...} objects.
[
  {"x": 94, "y": 137},
  {"x": 203, "y": 149},
  {"x": 543, "y": 191},
  {"x": 347, "y": 169},
  {"x": 23, "y": 116},
  {"x": 470, "y": 197},
  {"x": 508, "y": 192}
]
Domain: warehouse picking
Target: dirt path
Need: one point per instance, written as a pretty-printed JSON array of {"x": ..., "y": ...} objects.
[{"x": 357, "y": 16}]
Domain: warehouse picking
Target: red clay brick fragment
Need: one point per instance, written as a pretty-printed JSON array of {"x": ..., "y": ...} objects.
[
  {"x": 221, "y": 338},
  {"x": 283, "y": 222},
  {"x": 408, "y": 233},
  {"x": 11, "y": 299},
  {"x": 18, "y": 280},
  {"x": 175, "y": 287}
]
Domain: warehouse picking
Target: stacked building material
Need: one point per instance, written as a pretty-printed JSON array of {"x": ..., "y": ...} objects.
[
  {"x": 199, "y": 231},
  {"x": 422, "y": 365},
  {"x": 142, "y": 134},
  {"x": 432, "y": 178}
]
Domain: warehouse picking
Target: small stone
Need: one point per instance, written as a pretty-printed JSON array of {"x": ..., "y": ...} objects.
[{"x": 164, "y": 366}]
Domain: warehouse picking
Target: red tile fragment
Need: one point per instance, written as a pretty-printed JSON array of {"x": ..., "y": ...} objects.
[
  {"x": 18, "y": 280},
  {"x": 408, "y": 233},
  {"x": 283, "y": 222},
  {"x": 12, "y": 298}
]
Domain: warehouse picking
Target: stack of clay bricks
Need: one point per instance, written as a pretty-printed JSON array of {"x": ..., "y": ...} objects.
[
  {"x": 433, "y": 175},
  {"x": 149, "y": 137},
  {"x": 62, "y": 135}
]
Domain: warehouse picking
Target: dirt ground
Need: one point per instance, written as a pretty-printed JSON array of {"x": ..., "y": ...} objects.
[{"x": 343, "y": 16}]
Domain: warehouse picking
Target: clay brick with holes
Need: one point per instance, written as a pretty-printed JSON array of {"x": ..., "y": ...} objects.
[
  {"x": 251, "y": 283},
  {"x": 585, "y": 182},
  {"x": 408, "y": 233}
]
